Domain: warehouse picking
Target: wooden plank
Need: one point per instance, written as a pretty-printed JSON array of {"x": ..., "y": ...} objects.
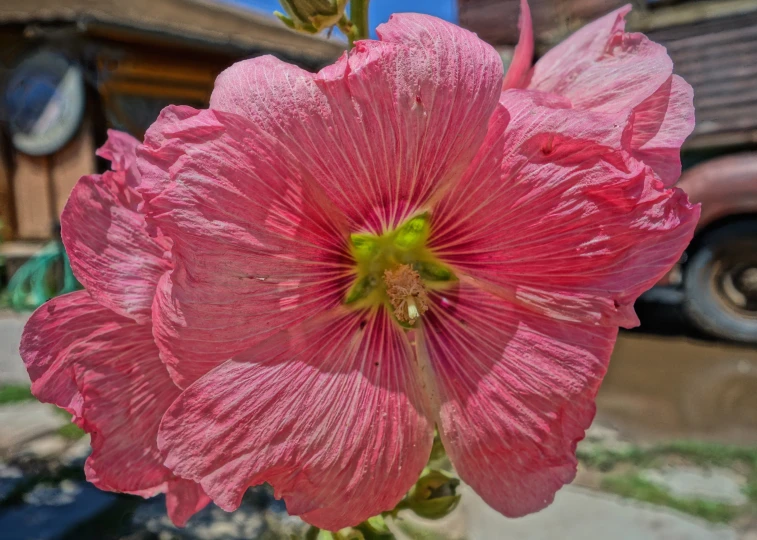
[
  {"x": 6, "y": 204},
  {"x": 73, "y": 161},
  {"x": 31, "y": 186}
]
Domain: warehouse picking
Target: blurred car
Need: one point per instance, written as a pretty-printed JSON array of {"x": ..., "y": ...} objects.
[{"x": 716, "y": 280}]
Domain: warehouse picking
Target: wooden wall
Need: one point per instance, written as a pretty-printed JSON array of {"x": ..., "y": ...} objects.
[{"x": 41, "y": 184}]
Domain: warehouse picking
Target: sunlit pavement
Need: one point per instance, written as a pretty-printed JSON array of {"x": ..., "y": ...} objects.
[
  {"x": 579, "y": 514},
  {"x": 11, "y": 367},
  {"x": 576, "y": 514}
]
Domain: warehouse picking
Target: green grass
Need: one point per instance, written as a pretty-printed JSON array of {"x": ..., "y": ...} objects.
[
  {"x": 713, "y": 454},
  {"x": 699, "y": 453},
  {"x": 703, "y": 454},
  {"x": 633, "y": 486},
  {"x": 15, "y": 393},
  {"x": 71, "y": 432}
]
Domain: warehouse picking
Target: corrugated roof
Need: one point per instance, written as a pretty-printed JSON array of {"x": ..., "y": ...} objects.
[
  {"x": 719, "y": 59},
  {"x": 184, "y": 20}
]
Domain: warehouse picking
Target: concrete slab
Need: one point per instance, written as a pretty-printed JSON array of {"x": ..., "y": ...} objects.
[
  {"x": 579, "y": 514},
  {"x": 21, "y": 422},
  {"x": 715, "y": 484},
  {"x": 12, "y": 369}
]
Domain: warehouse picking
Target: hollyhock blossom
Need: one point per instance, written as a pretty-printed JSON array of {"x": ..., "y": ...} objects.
[
  {"x": 92, "y": 353},
  {"x": 391, "y": 244}
]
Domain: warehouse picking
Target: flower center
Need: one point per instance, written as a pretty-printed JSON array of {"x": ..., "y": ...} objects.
[{"x": 396, "y": 270}]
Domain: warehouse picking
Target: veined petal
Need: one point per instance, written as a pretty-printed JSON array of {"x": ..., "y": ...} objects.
[
  {"x": 326, "y": 412},
  {"x": 106, "y": 237},
  {"x": 59, "y": 332},
  {"x": 550, "y": 208},
  {"x": 106, "y": 370},
  {"x": 518, "y": 74},
  {"x": 184, "y": 499},
  {"x": 516, "y": 392},
  {"x": 379, "y": 151},
  {"x": 659, "y": 126},
  {"x": 603, "y": 68},
  {"x": 256, "y": 247},
  {"x": 120, "y": 150},
  {"x": 125, "y": 390}
]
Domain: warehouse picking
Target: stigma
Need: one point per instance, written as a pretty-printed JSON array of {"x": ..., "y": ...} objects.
[{"x": 406, "y": 292}]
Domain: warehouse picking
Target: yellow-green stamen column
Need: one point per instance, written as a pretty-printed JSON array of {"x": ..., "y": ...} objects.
[{"x": 396, "y": 270}]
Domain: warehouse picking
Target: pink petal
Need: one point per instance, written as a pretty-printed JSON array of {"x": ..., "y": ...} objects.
[
  {"x": 660, "y": 125},
  {"x": 518, "y": 73},
  {"x": 184, "y": 499},
  {"x": 378, "y": 150},
  {"x": 120, "y": 149},
  {"x": 106, "y": 237},
  {"x": 54, "y": 338},
  {"x": 601, "y": 67},
  {"x": 551, "y": 209},
  {"x": 516, "y": 393},
  {"x": 256, "y": 247},
  {"x": 105, "y": 369},
  {"x": 327, "y": 412},
  {"x": 125, "y": 390}
]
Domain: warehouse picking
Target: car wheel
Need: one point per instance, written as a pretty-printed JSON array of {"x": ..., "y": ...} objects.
[{"x": 720, "y": 283}]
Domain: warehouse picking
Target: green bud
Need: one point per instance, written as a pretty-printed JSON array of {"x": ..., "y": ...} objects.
[
  {"x": 377, "y": 525},
  {"x": 311, "y": 16},
  {"x": 345, "y": 534},
  {"x": 434, "y": 496},
  {"x": 349, "y": 534}
]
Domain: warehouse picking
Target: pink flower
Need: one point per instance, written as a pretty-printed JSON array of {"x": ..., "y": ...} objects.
[
  {"x": 332, "y": 264},
  {"x": 92, "y": 352},
  {"x": 315, "y": 219}
]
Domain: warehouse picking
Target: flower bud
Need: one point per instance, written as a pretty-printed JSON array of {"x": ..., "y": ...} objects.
[
  {"x": 311, "y": 16},
  {"x": 434, "y": 495},
  {"x": 345, "y": 534}
]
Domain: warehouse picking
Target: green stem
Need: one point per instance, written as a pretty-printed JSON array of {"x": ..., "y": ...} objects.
[{"x": 359, "y": 18}]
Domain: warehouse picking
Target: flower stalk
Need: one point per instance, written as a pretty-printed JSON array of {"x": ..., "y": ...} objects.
[{"x": 359, "y": 18}]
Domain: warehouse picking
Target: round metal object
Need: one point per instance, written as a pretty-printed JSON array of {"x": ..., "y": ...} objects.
[{"x": 44, "y": 100}]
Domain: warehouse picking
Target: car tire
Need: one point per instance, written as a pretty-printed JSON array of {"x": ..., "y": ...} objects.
[{"x": 720, "y": 293}]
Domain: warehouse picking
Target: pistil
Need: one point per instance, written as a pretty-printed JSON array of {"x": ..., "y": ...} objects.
[{"x": 406, "y": 292}]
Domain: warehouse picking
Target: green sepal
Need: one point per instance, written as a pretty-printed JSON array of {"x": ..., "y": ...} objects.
[{"x": 286, "y": 20}]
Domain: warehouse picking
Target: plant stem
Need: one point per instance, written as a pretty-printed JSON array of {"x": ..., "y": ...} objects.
[{"x": 359, "y": 18}]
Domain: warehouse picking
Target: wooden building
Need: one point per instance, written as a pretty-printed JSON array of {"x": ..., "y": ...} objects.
[
  {"x": 713, "y": 44},
  {"x": 127, "y": 59}
]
